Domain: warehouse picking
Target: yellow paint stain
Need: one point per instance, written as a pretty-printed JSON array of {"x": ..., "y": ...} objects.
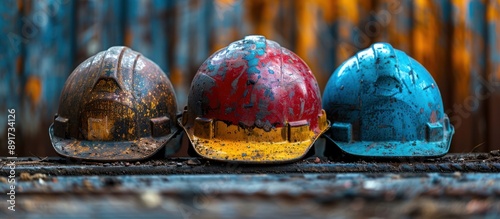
[{"x": 33, "y": 89}]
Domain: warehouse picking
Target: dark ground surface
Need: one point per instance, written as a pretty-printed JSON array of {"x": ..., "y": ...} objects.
[{"x": 455, "y": 186}]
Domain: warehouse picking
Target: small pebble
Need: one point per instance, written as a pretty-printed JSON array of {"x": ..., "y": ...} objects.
[
  {"x": 24, "y": 176},
  {"x": 151, "y": 199},
  {"x": 193, "y": 162}
]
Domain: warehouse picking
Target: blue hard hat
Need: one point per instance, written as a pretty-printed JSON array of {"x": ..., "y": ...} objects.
[{"x": 383, "y": 103}]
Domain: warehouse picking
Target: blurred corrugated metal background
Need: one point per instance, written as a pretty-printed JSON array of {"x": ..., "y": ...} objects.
[{"x": 43, "y": 41}]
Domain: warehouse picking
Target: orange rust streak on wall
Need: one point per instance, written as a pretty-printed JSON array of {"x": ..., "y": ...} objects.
[
  {"x": 461, "y": 77},
  {"x": 467, "y": 54},
  {"x": 391, "y": 20},
  {"x": 430, "y": 44},
  {"x": 347, "y": 19},
  {"x": 493, "y": 22},
  {"x": 306, "y": 36},
  {"x": 33, "y": 89},
  {"x": 223, "y": 35},
  {"x": 261, "y": 14}
]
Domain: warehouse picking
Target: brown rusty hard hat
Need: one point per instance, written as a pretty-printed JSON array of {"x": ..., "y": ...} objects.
[{"x": 116, "y": 105}]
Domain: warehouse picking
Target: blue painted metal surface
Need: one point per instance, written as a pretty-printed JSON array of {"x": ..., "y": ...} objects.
[
  {"x": 383, "y": 103},
  {"x": 99, "y": 26},
  {"x": 11, "y": 45},
  {"x": 48, "y": 58},
  {"x": 147, "y": 29}
]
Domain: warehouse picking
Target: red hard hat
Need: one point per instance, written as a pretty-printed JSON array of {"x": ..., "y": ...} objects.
[{"x": 254, "y": 101}]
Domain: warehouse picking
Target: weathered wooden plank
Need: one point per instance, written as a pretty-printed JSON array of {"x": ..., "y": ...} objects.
[
  {"x": 12, "y": 42},
  {"x": 492, "y": 89},
  {"x": 468, "y": 66},
  {"x": 48, "y": 61},
  {"x": 99, "y": 25}
]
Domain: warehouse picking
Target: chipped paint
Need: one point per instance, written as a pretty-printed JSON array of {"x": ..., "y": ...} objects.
[
  {"x": 258, "y": 100},
  {"x": 392, "y": 117}
]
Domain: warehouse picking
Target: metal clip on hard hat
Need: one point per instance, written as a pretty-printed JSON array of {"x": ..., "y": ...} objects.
[
  {"x": 115, "y": 106},
  {"x": 384, "y": 104},
  {"x": 254, "y": 102}
]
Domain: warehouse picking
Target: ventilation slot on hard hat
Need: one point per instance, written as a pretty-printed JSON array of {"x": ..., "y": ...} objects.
[{"x": 107, "y": 85}]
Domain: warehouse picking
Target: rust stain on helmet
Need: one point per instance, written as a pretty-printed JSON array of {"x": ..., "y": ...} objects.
[{"x": 116, "y": 105}]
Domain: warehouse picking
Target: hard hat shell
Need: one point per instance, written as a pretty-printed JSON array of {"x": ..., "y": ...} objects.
[
  {"x": 116, "y": 105},
  {"x": 254, "y": 102},
  {"x": 383, "y": 103}
]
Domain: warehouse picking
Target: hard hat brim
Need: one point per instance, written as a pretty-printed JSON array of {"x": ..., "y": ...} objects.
[
  {"x": 250, "y": 152},
  {"x": 140, "y": 149},
  {"x": 394, "y": 149}
]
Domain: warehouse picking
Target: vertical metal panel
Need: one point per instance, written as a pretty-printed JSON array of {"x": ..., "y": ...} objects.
[
  {"x": 328, "y": 32},
  {"x": 468, "y": 65},
  {"x": 12, "y": 42},
  {"x": 99, "y": 25},
  {"x": 493, "y": 29},
  {"x": 192, "y": 43},
  {"x": 147, "y": 30},
  {"x": 260, "y": 15},
  {"x": 492, "y": 89},
  {"x": 392, "y": 22},
  {"x": 431, "y": 43},
  {"x": 314, "y": 19},
  {"x": 227, "y": 24},
  {"x": 48, "y": 60}
]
